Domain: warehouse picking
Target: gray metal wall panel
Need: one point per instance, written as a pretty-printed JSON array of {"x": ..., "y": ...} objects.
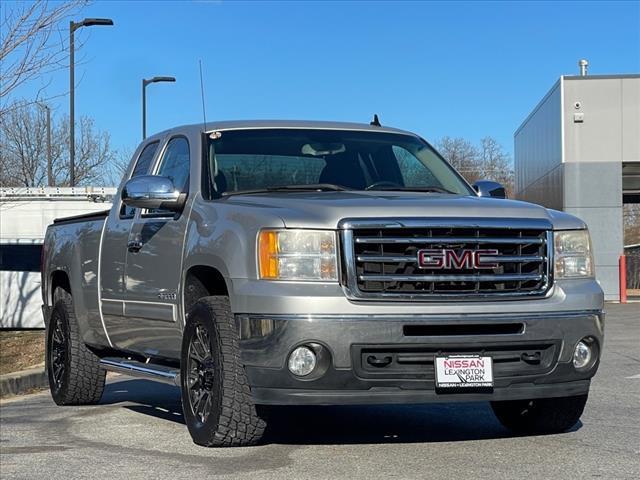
[
  {"x": 592, "y": 184},
  {"x": 547, "y": 190},
  {"x": 538, "y": 152},
  {"x": 631, "y": 119},
  {"x": 605, "y": 228},
  {"x": 598, "y": 137}
]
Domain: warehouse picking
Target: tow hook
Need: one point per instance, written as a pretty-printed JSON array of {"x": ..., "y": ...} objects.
[
  {"x": 378, "y": 362},
  {"x": 531, "y": 358}
]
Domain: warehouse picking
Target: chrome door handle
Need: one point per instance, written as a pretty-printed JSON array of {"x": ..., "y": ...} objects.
[{"x": 134, "y": 245}]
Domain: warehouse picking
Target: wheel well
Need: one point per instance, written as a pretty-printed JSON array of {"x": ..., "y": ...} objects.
[
  {"x": 206, "y": 280},
  {"x": 60, "y": 279}
]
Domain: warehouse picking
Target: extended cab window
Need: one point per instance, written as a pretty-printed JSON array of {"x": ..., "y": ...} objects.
[{"x": 141, "y": 168}]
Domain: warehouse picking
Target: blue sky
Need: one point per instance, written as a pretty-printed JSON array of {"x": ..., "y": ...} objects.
[{"x": 458, "y": 69}]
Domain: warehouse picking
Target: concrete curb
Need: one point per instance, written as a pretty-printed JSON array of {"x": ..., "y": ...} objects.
[{"x": 21, "y": 382}]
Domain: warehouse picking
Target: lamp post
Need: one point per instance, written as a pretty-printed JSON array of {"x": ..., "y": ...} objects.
[
  {"x": 146, "y": 82},
  {"x": 73, "y": 26}
]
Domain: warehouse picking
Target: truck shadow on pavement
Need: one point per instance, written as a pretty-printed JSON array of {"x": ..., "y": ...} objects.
[{"x": 311, "y": 425}]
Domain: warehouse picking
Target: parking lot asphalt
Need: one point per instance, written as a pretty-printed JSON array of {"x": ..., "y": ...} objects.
[{"x": 137, "y": 432}]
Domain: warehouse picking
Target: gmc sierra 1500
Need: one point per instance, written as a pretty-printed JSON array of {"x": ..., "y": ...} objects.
[{"x": 286, "y": 263}]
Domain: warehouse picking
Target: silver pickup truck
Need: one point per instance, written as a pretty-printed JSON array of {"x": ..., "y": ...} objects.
[{"x": 314, "y": 263}]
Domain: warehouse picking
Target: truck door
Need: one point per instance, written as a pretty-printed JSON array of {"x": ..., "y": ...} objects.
[
  {"x": 114, "y": 252},
  {"x": 154, "y": 265}
]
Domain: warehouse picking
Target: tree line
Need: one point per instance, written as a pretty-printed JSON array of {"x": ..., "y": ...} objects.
[
  {"x": 484, "y": 161},
  {"x": 24, "y": 152}
]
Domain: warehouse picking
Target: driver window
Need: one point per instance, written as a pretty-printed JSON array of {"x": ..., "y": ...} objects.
[
  {"x": 141, "y": 168},
  {"x": 175, "y": 163},
  {"x": 175, "y": 166}
]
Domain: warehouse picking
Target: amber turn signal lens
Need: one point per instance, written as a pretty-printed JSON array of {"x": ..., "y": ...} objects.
[{"x": 268, "y": 254}]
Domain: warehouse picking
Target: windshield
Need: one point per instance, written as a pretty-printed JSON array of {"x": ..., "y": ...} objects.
[{"x": 267, "y": 159}]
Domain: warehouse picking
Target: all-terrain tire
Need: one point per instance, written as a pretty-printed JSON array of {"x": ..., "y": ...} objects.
[
  {"x": 542, "y": 415},
  {"x": 216, "y": 398},
  {"x": 75, "y": 375}
]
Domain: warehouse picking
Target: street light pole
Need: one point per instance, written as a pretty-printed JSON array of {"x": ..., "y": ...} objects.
[
  {"x": 146, "y": 82},
  {"x": 72, "y": 123},
  {"x": 73, "y": 26},
  {"x": 144, "y": 108}
]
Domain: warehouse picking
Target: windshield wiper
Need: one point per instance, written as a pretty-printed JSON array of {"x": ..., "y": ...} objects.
[
  {"x": 313, "y": 187},
  {"x": 428, "y": 189}
]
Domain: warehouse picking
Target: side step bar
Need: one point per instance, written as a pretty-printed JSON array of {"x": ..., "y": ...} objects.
[{"x": 133, "y": 368}]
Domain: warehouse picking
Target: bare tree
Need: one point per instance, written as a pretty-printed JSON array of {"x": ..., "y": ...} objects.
[
  {"x": 32, "y": 40},
  {"x": 23, "y": 155},
  {"x": 93, "y": 153},
  {"x": 118, "y": 166},
  {"x": 462, "y": 155},
  {"x": 23, "y": 146},
  {"x": 495, "y": 164},
  {"x": 488, "y": 161}
]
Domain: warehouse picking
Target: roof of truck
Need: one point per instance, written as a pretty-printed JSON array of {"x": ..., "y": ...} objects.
[{"x": 262, "y": 124}]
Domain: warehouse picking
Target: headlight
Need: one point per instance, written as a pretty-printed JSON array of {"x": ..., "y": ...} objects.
[
  {"x": 297, "y": 255},
  {"x": 573, "y": 258}
]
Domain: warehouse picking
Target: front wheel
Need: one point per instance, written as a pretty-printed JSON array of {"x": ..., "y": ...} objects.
[
  {"x": 216, "y": 400},
  {"x": 542, "y": 415}
]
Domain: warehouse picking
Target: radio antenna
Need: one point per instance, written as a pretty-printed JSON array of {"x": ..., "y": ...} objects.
[{"x": 204, "y": 113}]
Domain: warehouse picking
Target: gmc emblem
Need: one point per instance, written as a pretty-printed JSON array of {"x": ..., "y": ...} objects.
[{"x": 447, "y": 258}]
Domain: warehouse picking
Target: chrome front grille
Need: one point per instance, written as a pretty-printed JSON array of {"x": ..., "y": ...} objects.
[{"x": 484, "y": 257}]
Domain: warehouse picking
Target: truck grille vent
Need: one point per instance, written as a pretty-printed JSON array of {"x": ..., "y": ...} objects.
[{"x": 454, "y": 261}]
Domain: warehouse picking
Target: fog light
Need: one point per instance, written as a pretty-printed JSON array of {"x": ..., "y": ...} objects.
[
  {"x": 302, "y": 361},
  {"x": 582, "y": 355}
]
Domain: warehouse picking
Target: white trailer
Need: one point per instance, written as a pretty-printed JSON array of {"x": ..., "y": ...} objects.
[{"x": 24, "y": 216}]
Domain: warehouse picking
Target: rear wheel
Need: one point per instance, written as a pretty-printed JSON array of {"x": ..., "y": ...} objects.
[
  {"x": 216, "y": 400},
  {"x": 542, "y": 415},
  {"x": 75, "y": 375}
]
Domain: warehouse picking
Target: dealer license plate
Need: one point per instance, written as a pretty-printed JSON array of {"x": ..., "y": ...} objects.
[{"x": 464, "y": 371}]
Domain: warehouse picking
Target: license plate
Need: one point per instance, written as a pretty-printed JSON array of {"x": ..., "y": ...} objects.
[{"x": 464, "y": 372}]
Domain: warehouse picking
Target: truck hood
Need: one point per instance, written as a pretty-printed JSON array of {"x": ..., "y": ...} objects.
[{"x": 326, "y": 209}]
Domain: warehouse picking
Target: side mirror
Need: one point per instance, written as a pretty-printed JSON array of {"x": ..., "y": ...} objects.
[
  {"x": 152, "y": 191},
  {"x": 489, "y": 188}
]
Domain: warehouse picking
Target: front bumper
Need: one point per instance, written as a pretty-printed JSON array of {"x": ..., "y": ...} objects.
[{"x": 267, "y": 340}]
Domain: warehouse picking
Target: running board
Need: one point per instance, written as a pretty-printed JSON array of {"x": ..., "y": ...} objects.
[{"x": 149, "y": 371}]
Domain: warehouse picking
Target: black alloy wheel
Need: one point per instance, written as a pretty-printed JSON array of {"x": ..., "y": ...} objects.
[
  {"x": 58, "y": 351},
  {"x": 201, "y": 368}
]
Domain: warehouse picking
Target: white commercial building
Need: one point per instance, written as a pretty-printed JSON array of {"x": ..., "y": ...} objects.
[{"x": 24, "y": 216}]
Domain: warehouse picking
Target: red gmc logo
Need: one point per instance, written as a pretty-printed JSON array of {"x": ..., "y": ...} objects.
[{"x": 446, "y": 258}]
